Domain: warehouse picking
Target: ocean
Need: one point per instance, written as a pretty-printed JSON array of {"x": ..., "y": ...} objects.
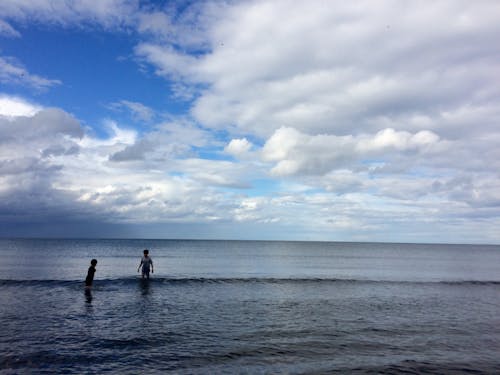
[{"x": 249, "y": 307}]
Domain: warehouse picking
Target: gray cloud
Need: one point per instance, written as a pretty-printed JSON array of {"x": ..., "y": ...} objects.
[
  {"x": 50, "y": 169},
  {"x": 166, "y": 142},
  {"x": 31, "y": 149},
  {"x": 41, "y": 127}
]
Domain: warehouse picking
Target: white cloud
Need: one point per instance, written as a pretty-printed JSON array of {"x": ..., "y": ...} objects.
[
  {"x": 294, "y": 152},
  {"x": 11, "y": 72},
  {"x": 108, "y": 13},
  {"x": 12, "y": 106},
  {"x": 400, "y": 141},
  {"x": 338, "y": 69},
  {"x": 342, "y": 181},
  {"x": 238, "y": 147},
  {"x": 156, "y": 23},
  {"x": 384, "y": 105},
  {"x": 169, "y": 62},
  {"x": 138, "y": 110},
  {"x": 7, "y": 30}
]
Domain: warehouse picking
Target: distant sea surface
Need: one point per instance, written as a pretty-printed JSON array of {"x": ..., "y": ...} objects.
[{"x": 249, "y": 307}]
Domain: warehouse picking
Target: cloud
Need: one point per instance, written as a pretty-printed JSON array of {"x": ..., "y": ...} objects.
[
  {"x": 367, "y": 121},
  {"x": 41, "y": 127},
  {"x": 14, "y": 106},
  {"x": 343, "y": 181},
  {"x": 337, "y": 69},
  {"x": 31, "y": 147},
  {"x": 7, "y": 30},
  {"x": 107, "y": 13},
  {"x": 294, "y": 152},
  {"x": 385, "y": 107},
  {"x": 51, "y": 169},
  {"x": 167, "y": 141},
  {"x": 101, "y": 179},
  {"x": 168, "y": 61},
  {"x": 13, "y": 73},
  {"x": 138, "y": 110},
  {"x": 158, "y": 24},
  {"x": 238, "y": 147}
]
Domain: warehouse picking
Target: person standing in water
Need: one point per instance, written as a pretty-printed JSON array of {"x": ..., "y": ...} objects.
[
  {"x": 90, "y": 274},
  {"x": 147, "y": 264}
]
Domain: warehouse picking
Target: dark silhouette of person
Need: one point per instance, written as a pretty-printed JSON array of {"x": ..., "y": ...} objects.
[{"x": 90, "y": 274}]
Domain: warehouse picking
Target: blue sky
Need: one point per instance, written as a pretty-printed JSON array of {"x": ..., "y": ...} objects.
[{"x": 250, "y": 120}]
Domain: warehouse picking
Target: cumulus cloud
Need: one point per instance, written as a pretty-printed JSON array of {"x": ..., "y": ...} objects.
[
  {"x": 320, "y": 70},
  {"x": 50, "y": 168},
  {"x": 30, "y": 146},
  {"x": 238, "y": 147},
  {"x": 294, "y": 152},
  {"x": 11, "y": 106},
  {"x": 124, "y": 178},
  {"x": 41, "y": 128},
  {"x": 379, "y": 104},
  {"x": 167, "y": 141}
]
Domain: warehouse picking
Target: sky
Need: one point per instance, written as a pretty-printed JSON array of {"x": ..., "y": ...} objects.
[{"x": 271, "y": 120}]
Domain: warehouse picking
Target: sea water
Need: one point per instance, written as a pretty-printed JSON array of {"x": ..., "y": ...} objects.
[{"x": 250, "y": 307}]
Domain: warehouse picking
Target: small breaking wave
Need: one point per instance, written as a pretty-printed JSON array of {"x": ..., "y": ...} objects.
[{"x": 232, "y": 280}]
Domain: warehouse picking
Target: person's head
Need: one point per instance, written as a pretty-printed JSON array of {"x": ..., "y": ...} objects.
[
  {"x": 146, "y": 252},
  {"x": 93, "y": 262}
]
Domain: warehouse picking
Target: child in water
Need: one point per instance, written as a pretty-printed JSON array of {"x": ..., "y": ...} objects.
[
  {"x": 90, "y": 274},
  {"x": 147, "y": 264}
]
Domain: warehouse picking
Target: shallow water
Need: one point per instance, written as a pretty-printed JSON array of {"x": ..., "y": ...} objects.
[{"x": 249, "y": 307}]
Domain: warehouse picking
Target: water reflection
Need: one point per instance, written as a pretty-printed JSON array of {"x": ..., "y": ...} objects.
[
  {"x": 88, "y": 295},
  {"x": 144, "y": 286}
]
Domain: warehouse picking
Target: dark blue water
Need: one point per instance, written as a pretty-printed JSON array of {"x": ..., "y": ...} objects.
[{"x": 249, "y": 307}]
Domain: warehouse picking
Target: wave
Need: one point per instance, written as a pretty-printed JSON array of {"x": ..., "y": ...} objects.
[{"x": 232, "y": 280}]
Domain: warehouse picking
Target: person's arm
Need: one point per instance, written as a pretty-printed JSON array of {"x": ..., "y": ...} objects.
[
  {"x": 140, "y": 264},
  {"x": 152, "y": 266}
]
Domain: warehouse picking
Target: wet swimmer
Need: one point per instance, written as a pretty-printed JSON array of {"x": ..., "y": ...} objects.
[
  {"x": 147, "y": 264},
  {"x": 90, "y": 274}
]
